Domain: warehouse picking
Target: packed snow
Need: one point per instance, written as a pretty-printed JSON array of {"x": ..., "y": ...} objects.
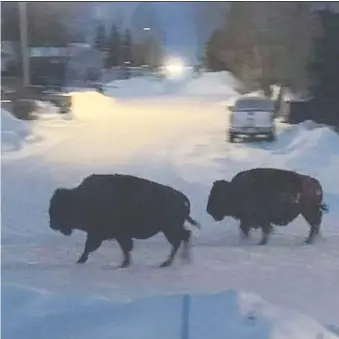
[{"x": 179, "y": 141}]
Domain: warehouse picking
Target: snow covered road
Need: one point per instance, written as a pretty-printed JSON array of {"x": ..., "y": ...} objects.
[{"x": 180, "y": 143}]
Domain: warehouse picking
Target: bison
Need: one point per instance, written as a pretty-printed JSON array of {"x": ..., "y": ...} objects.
[
  {"x": 262, "y": 197},
  {"x": 122, "y": 207}
]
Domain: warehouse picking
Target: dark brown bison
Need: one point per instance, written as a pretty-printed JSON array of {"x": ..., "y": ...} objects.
[
  {"x": 122, "y": 207},
  {"x": 263, "y": 197}
]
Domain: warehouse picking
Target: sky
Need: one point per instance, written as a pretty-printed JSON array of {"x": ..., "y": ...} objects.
[
  {"x": 175, "y": 19},
  {"x": 180, "y": 37}
]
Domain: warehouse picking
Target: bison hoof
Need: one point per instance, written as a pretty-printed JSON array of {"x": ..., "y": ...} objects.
[
  {"x": 262, "y": 243},
  {"x": 166, "y": 263},
  {"x": 185, "y": 256},
  {"x": 125, "y": 264},
  {"x": 82, "y": 260}
]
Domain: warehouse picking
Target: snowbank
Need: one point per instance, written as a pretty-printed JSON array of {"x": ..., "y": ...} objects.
[
  {"x": 136, "y": 87},
  {"x": 216, "y": 83},
  {"x": 311, "y": 149},
  {"x": 308, "y": 135},
  {"x": 13, "y": 131},
  {"x": 86, "y": 106},
  {"x": 232, "y": 314}
]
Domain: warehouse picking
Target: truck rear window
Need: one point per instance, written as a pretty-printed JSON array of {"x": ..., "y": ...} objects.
[{"x": 253, "y": 104}]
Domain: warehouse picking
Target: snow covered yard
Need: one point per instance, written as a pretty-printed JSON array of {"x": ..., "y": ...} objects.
[{"x": 179, "y": 142}]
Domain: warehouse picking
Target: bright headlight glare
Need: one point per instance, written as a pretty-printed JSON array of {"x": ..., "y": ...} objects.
[{"x": 174, "y": 67}]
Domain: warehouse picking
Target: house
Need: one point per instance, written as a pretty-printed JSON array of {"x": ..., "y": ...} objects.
[
  {"x": 10, "y": 58},
  {"x": 65, "y": 66},
  {"x": 85, "y": 63}
]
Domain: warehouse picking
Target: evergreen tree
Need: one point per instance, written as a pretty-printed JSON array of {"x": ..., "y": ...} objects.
[
  {"x": 77, "y": 37},
  {"x": 127, "y": 47},
  {"x": 100, "y": 39},
  {"x": 114, "y": 47}
]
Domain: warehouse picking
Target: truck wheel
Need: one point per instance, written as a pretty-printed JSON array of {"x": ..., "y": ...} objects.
[
  {"x": 231, "y": 137},
  {"x": 271, "y": 137}
]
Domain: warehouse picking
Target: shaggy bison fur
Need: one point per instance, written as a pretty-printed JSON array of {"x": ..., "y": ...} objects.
[
  {"x": 262, "y": 197},
  {"x": 122, "y": 207}
]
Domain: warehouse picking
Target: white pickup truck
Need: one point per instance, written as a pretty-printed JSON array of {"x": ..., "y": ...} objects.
[{"x": 252, "y": 116}]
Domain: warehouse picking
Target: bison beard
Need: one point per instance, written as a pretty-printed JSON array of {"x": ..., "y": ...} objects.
[
  {"x": 263, "y": 197},
  {"x": 123, "y": 208}
]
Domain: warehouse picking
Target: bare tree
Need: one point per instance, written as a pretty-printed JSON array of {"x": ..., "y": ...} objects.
[
  {"x": 206, "y": 17},
  {"x": 267, "y": 42}
]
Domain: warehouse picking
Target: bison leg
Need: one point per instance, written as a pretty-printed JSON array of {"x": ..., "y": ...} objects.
[
  {"x": 266, "y": 231},
  {"x": 92, "y": 244},
  {"x": 313, "y": 217},
  {"x": 126, "y": 245},
  {"x": 186, "y": 236},
  {"x": 174, "y": 239},
  {"x": 245, "y": 230}
]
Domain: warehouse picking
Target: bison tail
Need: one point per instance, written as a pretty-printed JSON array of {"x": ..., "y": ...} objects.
[
  {"x": 193, "y": 222},
  {"x": 324, "y": 208}
]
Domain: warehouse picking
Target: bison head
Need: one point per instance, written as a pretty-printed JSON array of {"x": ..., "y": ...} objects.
[
  {"x": 219, "y": 200},
  {"x": 60, "y": 211}
]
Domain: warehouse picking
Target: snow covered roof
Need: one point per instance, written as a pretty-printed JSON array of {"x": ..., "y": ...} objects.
[
  {"x": 48, "y": 51},
  {"x": 71, "y": 50}
]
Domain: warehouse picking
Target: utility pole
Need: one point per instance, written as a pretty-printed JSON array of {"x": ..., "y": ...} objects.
[
  {"x": 24, "y": 43},
  {"x": 148, "y": 46},
  {"x": 186, "y": 301}
]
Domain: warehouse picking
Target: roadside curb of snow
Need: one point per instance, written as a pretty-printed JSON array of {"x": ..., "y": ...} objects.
[{"x": 14, "y": 132}]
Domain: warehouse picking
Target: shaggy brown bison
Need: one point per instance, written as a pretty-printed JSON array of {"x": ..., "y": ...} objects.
[
  {"x": 122, "y": 207},
  {"x": 263, "y": 197}
]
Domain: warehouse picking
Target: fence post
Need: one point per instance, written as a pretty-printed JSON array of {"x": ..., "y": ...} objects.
[{"x": 185, "y": 317}]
